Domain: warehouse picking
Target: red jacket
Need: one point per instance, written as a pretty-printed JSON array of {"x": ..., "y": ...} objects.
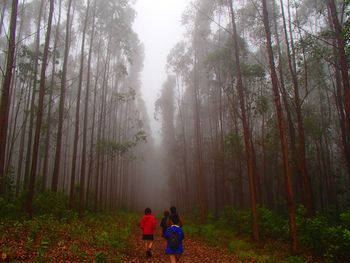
[{"x": 148, "y": 224}]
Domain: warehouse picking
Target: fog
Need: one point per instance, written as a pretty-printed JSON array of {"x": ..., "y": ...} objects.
[
  {"x": 158, "y": 25},
  {"x": 252, "y": 97}
]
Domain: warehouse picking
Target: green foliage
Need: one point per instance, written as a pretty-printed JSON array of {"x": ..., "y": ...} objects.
[
  {"x": 10, "y": 207},
  {"x": 100, "y": 257},
  {"x": 293, "y": 259},
  {"x": 240, "y": 221},
  {"x": 324, "y": 237},
  {"x": 233, "y": 143},
  {"x": 272, "y": 225},
  {"x": 112, "y": 148},
  {"x": 236, "y": 245},
  {"x": 49, "y": 202}
]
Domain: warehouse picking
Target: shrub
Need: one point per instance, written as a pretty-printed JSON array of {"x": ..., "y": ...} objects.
[
  {"x": 49, "y": 202},
  {"x": 326, "y": 239},
  {"x": 271, "y": 225}
]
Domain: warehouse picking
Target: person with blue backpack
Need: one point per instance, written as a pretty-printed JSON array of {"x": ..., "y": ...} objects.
[{"x": 174, "y": 236}]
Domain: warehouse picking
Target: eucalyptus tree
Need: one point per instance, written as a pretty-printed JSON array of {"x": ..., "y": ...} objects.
[
  {"x": 283, "y": 135},
  {"x": 77, "y": 112},
  {"x": 5, "y": 91},
  {"x": 57, "y": 163},
  {"x": 165, "y": 106},
  {"x": 40, "y": 112},
  {"x": 246, "y": 129}
]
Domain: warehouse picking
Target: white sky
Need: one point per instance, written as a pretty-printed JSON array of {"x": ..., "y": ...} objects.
[{"x": 158, "y": 24}]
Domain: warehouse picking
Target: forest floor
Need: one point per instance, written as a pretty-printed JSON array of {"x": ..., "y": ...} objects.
[{"x": 195, "y": 251}]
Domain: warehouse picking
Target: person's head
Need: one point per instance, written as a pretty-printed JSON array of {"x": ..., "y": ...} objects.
[
  {"x": 175, "y": 219},
  {"x": 148, "y": 211},
  {"x": 173, "y": 210},
  {"x": 166, "y": 213}
]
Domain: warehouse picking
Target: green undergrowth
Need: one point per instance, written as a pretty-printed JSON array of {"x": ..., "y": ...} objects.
[
  {"x": 57, "y": 233},
  {"x": 323, "y": 238},
  {"x": 217, "y": 234}
]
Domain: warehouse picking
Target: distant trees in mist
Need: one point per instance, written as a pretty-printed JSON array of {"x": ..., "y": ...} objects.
[
  {"x": 258, "y": 107},
  {"x": 72, "y": 117}
]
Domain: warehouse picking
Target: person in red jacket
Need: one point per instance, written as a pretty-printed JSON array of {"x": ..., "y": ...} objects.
[{"x": 148, "y": 225}]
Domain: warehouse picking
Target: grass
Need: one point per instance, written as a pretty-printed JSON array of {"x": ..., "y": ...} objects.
[
  {"x": 99, "y": 237},
  {"x": 217, "y": 234}
]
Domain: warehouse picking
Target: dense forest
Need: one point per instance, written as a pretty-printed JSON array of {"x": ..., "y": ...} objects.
[{"x": 254, "y": 113}]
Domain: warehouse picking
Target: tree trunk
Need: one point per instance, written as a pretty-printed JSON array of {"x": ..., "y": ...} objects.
[
  {"x": 77, "y": 113},
  {"x": 83, "y": 152},
  {"x": 52, "y": 83},
  {"x": 301, "y": 162},
  {"x": 56, "y": 169},
  {"x": 246, "y": 129},
  {"x": 342, "y": 59},
  {"x": 33, "y": 171},
  {"x": 283, "y": 137},
  {"x": 5, "y": 92}
]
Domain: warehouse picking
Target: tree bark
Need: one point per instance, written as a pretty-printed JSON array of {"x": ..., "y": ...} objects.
[
  {"x": 246, "y": 129},
  {"x": 33, "y": 171},
  {"x": 283, "y": 136},
  {"x": 5, "y": 92},
  {"x": 56, "y": 169}
]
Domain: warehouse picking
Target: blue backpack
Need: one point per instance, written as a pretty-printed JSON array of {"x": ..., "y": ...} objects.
[{"x": 174, "y": 240}]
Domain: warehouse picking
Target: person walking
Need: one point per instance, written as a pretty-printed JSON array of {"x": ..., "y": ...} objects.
[
  {"x": 148, "y": 226},
  {"x": 174, "y": 236},
  {"x": 173, "y": 212},
  {"x": 163, "y": 223}
]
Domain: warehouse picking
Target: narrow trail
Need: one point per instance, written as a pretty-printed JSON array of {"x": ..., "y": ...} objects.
[{"x": 196, "y": 251}]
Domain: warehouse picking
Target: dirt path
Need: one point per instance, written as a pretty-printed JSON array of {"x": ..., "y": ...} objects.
[{"x": 195, "y": 251}]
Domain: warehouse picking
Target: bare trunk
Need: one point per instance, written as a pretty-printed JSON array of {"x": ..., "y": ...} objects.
[
  {"x": 5, "y": 92},
  {"x": 282, "y": 130},
  {"x": 246, "y": 130},
  {"x": 56, "y": 169},
  {"x": 33, "y": 171}
]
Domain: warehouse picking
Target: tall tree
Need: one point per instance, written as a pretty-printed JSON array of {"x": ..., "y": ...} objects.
[
  {"x": 57, "y": 163},
  {"x": 282, "y": 133},
  {"x": 5, "y": 91},
  {"x": 40, "y": 112},
  {"x": 77, "y": 113},
  {"x": 246, "y": 129}
]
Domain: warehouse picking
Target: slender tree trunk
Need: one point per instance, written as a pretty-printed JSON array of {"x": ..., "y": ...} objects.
[
  {"x": 33, "y": 171},
  {"x": 56, "y": 169},
  {"x": 83, "y": 153},
  {"x": 77, "y": 115},
  {"x": 246, "y": 129},
  {"x": 52, "y": 83},
  {"x": 91, "y": 154},
  {"x": 5, "y": 92},
  {"x": 301, "y": 162},
  {"x": 342, "y": 58},
  {"x": 283, "y": 137},
  {"x": 22, "y": 142},
  {"x": 202, "y": 198}
]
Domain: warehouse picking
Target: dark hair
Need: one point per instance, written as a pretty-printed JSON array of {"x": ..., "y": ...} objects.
[
  {"x": 166, "y": 213},
  {"x": 175, "y": 219},
  {"x": 173, "y": 210},
  {"x": 148, "y": 211}
]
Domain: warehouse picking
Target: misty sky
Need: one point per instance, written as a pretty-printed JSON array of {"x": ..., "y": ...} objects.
[{"x": 158, "y": 24}]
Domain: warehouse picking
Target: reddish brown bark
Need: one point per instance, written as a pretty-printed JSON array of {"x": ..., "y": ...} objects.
[
  {"x": 283, "y": 137},
  {"x": 246, "y": 130},
  {"x": 40, "y": 111},
  {"x": 56, "y": 169},
  {"x": 5, "y": 91}
]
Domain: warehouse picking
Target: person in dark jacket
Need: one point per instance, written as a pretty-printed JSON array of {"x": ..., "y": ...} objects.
[
  {"x": 163, "y": 223},
  {"x": 148, "y": 226},
  {"x": 174, "y": 236},
  {"x": 173, "y": 211}
]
